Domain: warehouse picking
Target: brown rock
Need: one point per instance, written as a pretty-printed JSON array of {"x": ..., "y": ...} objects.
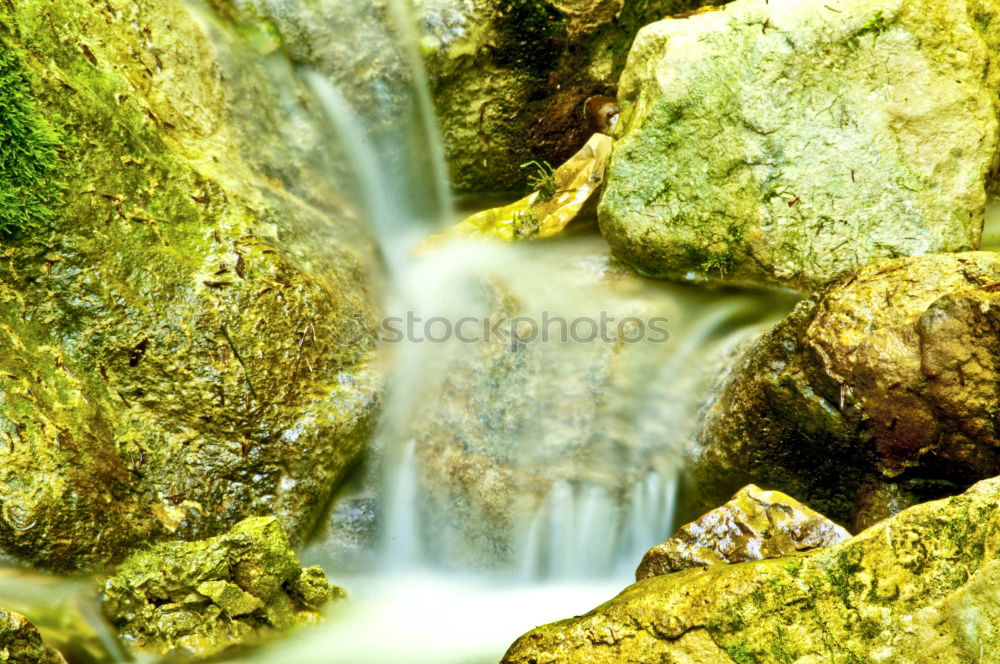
[
  {"x": 889, "y": 375},
  {"x": 754, "y": 525}
]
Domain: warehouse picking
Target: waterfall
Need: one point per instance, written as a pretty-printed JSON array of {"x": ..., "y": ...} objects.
[
  {"x": 513, "y": 481},
  {"x": 373, "y": 92},
  {"x": 579, "y": 445}
]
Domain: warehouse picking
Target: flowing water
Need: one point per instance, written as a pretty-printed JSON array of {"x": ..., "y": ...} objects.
[{"x": 513, "y": 481}]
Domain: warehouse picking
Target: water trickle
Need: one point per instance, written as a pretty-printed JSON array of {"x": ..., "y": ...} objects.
[{"x": 991, "y": 227}]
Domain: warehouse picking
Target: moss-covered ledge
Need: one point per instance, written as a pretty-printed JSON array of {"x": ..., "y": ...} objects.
[
  {"x": 919, "y": 588},
  {"x": 168, "y": 367}
]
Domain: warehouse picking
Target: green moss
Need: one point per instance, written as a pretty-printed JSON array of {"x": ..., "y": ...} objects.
[
  {"x": 741, "y": 653},
  {"x": 525, "y": 224},
  {"x": 841, "y": 574},
  {"x": 876, "y": 24},
  {"x": 533, "y": 34},
  {"x": 720, "y": 255},
  {"x": 29, "y": 151},
  {"x": 793, "y": 566},
  {"x": 780, "y": 648}
]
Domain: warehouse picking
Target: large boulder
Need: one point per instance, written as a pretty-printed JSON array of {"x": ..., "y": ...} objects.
[
  {"x": 511, "y": 78},
  {"x": 786, "y": 143},
  {"x": 986, "y": 20},
  {"x": 921, "y": 588},
  {"x": 171, "y": 360},
  {"x": 754, "y": 525},
  {"x": 887, "y": 376}
]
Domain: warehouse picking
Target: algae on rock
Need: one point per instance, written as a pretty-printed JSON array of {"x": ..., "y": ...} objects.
[
  {"x": 786, "y": 143},
  {"x": 920, "y": 587},
  {"x": 889, "y": 376},
  {"x": 200, "y": 598},
  {"x": 172, "y": 359}
]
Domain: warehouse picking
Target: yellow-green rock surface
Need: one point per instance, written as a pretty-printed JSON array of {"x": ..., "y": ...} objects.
[
  {"x": 754, "y": 525},
  {"x": 920, "y": 588},
  {"x": 564, "y": 195},
  {"x": 199, "y": 598},
  {"x": 170, "y": 356},
  {"x": 889, "y": 375}
]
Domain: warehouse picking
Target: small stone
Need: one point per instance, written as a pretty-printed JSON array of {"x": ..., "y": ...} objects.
[
  {"x": 20, "y": 642},
  {"x": 754, "y": 525},
  {"x": 230, "y": 598},
  {"x": 313, "y": 590}
]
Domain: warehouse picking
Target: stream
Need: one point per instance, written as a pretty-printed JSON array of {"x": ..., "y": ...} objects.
[{"x": 571, "y": 472}]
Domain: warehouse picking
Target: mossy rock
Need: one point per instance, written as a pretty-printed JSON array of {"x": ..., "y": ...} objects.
[
  {"x": 919, "y": 588},
  {"x": 20, "y": 642},
  {"x": 786, "y": 144},
  {"x": 199, "y": 598},
  {"x": 173, "y": 358}
]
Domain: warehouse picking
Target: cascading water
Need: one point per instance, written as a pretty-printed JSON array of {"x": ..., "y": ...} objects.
[
  {"x": 570, "y": 455},
  {"x": 513, "y": 482}
]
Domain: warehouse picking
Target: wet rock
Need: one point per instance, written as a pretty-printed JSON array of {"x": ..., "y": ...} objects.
[
  {"x": 848, "y": 132},
  {"x": 879, "y": 501},
  {"x": 889, "y": 375},
  {"x": 200, "y": 598},
  {"x": 20, "y": 642},
  {"x": 754, "y": 525},
  {"x": 174, "y": 353},
  {"x": 518, "y": 431},
  {"x": 561, "y": 196},
  {"x": 363, "y": 71},
  {"x": 511, "y": 78},
  {"x": 919, "y": 587},
  {"x": 351, "y": 533}
]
